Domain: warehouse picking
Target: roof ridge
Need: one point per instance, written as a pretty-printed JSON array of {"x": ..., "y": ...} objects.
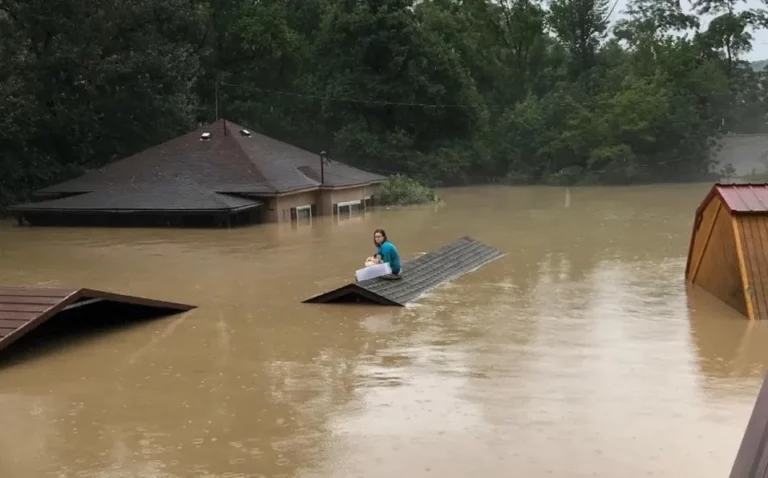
[
  {"x": 240, "y": 147},
  {"x": 248, "y": 162}
]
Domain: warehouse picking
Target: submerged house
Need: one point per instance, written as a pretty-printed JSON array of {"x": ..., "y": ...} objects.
[
  {"x": 218, "y": 175},
  {"x": 728, "y": 255}
]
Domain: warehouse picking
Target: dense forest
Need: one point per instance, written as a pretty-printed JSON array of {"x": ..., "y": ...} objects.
[{"x": 447, "y": 91}]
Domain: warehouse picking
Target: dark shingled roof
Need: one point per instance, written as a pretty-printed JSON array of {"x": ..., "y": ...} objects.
[
  {"x": 419, "y": 276},
  {"x": 167, "y": 197},
  {"x": 226, "y": 163}
]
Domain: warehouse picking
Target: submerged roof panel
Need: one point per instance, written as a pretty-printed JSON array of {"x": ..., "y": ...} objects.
[
  {"x": 22, "y": 309},
  {"x": 419, "y": 276}
]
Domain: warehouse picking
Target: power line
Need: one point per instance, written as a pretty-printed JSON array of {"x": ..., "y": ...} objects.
[{"x": 358, "y": 100}]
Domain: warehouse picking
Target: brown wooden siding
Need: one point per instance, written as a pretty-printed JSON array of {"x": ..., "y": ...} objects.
[
  {"x": 701, "y": 235},
  {"x": 714, "y": 260},
  {"x": 753, "y": 235}
]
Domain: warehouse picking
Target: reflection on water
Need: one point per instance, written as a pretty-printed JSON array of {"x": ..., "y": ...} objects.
[{"x": 581, "y": 353}]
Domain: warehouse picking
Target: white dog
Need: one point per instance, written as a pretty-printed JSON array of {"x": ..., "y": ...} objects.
[{"x": 372, "y": 261}]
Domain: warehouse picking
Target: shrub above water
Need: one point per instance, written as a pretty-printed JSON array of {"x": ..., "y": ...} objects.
[{"x": 401, "y": 190}]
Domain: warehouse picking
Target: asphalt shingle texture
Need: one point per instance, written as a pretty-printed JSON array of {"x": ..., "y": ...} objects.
[
  {"x": 173, "y": 196},
  {"x": 420, "y": 275},
  {"x": 225, "y": 163}
]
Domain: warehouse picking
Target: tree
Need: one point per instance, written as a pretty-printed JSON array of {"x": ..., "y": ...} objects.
[
  {"x": 88, "y": 82},
  {"x": 448, "y": 91}
]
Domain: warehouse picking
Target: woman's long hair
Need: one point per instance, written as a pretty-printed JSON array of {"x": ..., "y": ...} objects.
[{"x": 383, "y": 234}]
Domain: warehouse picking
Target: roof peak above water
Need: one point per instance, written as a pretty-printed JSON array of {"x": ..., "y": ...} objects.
[
  {"x": 740, "y": 197},
  {"x": 224, "y": 157}
]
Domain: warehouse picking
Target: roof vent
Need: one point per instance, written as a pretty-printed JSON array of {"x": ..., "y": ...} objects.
[
  {"x": 205, "y": 136},
  {"x": 245, "y": 132}
]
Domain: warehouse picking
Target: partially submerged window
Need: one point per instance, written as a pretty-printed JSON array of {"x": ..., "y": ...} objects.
[
  {"x": 302, "y": 215},
  {"x": 349, "y": 209}
]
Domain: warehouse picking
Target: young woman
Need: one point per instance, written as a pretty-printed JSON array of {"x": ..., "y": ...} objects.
[{"x": 386, "y": 252}]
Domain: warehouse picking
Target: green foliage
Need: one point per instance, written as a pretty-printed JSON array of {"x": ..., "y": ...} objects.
[
  {"x": 446, "y": 91},
  {"x": 402, "y": 190},
  {"x": 83, "y": 83}
]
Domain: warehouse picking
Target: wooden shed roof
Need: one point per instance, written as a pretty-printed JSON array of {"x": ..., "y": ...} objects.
[{"x": 742, "y": 198}]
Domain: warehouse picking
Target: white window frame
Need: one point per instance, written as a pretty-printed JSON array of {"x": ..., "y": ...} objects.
[
  {"x": 299, "y": 209},
  {"x": 349, "y": 204}
]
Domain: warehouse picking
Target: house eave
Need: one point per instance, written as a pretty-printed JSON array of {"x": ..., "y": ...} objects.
[{"x": 23, "y": 210}]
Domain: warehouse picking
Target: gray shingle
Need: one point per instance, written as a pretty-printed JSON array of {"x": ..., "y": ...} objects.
[
  {"x": 419, "y": 276},
  {"x": 172, "y": 196},
  {"x": 226, "y": 163},
  {"x": 213, "y": 164},
  {"x": 287, "y": 167}
]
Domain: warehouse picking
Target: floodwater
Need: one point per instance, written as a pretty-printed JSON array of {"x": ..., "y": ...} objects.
[{"x": 579, "y": 354}]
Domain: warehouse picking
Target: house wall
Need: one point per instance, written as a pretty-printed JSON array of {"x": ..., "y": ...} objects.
[
  {"x": 699, "y": 237},
  {"x": 278, "y": 209},
  {"x": 269, "y": 210},
  {"x": 335, "y": 196},
  {"x": 714, "y": 257}
]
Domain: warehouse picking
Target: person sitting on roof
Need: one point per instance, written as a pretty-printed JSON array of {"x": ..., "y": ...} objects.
[{"x": 387, "y": 252}]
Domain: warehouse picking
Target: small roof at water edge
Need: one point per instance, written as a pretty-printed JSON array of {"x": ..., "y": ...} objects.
[{"x": 746, "y": 198}]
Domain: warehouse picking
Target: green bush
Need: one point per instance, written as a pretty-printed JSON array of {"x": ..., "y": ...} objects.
[{"x": 401, "y": 190}]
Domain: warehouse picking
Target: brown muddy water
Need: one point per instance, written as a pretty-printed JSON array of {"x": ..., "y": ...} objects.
[{"x": 579, "y": 354}]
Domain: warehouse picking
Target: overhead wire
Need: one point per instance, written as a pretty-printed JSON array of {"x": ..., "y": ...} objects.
[{"x": 360, "y": 100}]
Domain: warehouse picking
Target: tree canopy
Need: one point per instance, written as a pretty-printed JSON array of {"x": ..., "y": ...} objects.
[{"x": 448, "y": 91}]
